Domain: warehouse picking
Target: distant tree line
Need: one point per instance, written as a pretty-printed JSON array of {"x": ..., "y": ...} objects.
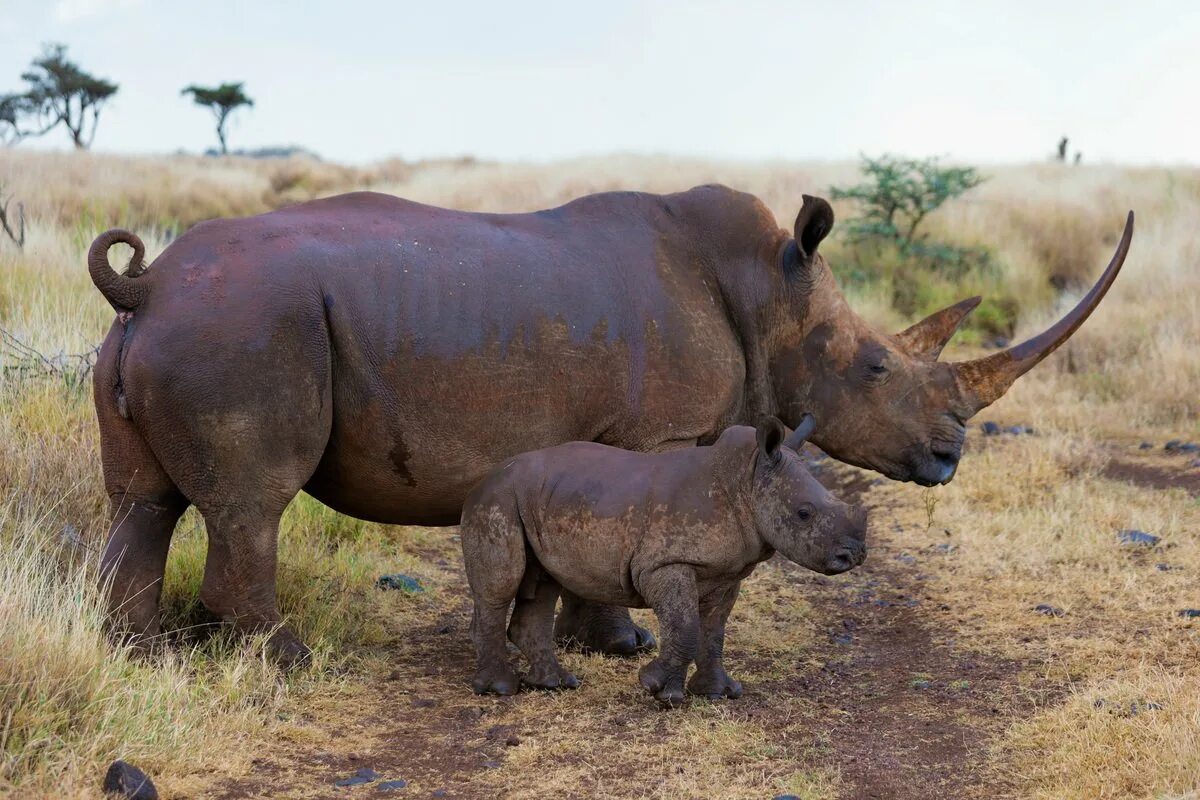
[{"x": 58, "y": 92}]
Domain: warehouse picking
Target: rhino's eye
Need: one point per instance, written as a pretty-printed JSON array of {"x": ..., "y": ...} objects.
[
  {"x": 877, "y": 369},
  {"x": 804, "y": 512}
]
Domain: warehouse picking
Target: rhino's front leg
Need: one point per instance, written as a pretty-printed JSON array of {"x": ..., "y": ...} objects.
[
  {"x": 597, "y": 628},
  {"x": 671, "y": 592},
  {"x": 711, "y": 680}
]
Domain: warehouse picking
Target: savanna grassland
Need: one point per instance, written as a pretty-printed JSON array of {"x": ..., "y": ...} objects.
[{"x": 927, "y": 673}]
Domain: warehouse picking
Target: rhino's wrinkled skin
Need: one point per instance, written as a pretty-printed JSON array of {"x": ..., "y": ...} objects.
[
  {"x": 675, "y": 531},
  {"x": 384, "y": 355}
]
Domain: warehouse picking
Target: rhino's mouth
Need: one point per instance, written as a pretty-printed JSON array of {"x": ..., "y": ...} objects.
[{"x": 845, "y": 559}]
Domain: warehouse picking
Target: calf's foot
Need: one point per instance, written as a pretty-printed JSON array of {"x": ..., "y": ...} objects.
[
  {"x": 550, "y": 676},
  {"x": 666, "y": 687},
  {"x": 498, "y": 678},
  {"x": 603, "y": 629},
  {"x": 714, "y": 683}
]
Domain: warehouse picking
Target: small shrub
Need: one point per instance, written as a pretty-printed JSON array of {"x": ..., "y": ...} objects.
[{"x": 886, "y": 244}]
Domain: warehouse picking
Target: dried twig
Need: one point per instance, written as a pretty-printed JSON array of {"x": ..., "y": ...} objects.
[
  {"x": 18, "y": 359},
  {"x": 18, "y": 237}
]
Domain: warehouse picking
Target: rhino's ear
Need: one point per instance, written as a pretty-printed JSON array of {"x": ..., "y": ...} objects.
[
  {"x": 770, "y": 438},
  {"x": 813, "y": 224},
  {"x": 801, "y": 433}
]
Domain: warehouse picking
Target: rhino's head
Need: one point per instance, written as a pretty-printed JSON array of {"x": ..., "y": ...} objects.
[
  {"x": 886, "y": 402},
  {"x": 794, "y": 513}
]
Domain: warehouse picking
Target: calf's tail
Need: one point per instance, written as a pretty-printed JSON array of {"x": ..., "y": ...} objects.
[{"x": 123, "y": 291}]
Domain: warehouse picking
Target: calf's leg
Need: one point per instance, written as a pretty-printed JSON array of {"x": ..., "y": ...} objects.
[
  {"x": 532, "y": 630},
  {"x": 493, "y": 544},
  {"x": 710, "y": 679},
  {"x": 671, "y": 592}
]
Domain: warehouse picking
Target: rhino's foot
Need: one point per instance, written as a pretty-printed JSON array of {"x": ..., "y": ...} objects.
[
  {"x": 496, "y": 679},
  {"x": 287, "y": 651},
  {"x": 550, "y": 676},
  {"x": 656, "y": 680},
  {"x": 714, "y": 683},
  {"x": 612, "y": 635}
]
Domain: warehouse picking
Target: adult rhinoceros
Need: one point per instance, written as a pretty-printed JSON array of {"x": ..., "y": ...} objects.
[{"x": 383, "y": 355}]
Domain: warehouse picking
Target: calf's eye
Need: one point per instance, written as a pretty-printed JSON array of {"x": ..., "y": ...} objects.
[{"x": 804, "y": 513}]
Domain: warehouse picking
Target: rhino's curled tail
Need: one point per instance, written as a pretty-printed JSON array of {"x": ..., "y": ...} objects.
[{"x": 123, "y": 292}]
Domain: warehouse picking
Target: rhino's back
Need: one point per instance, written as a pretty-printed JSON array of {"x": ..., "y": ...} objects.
[{"x": 458, "y": 339}]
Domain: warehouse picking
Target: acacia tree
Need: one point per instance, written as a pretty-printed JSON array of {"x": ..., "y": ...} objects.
[
  {"x": 13, "y": 109},
  {"x": 222, "y": 101},
  {"x": 62, "y": 93}
]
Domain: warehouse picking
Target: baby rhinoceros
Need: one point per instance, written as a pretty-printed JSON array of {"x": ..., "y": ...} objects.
[{"x": 676, "y": 531}]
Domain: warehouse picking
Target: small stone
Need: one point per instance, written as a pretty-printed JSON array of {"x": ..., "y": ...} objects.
[
  {"x": 128, "y": 782},
  {"x": 1172, "y": 445},
  {"x": 1195, "y": 463},
  {"x": 1001, "y": 342},
  {"x": 398, "y": 582},
  {"x": 395, "y": 675},
  {"x": 442, "y": 630},
  {"x": 920, "y": 684},
  {"x": 1049, "y": 610},
  {"x": 785, "y": 797},
  {"x": 905, "y": 558},
  {"x": 439, "y": 792},
  {"x": 1190, "y": 447},
  {"x": 1145, "y": 446},
  {"x": 990, "y": 428},
  {"x": 491, "y": 765},
  {"x": 512, "y": 741},
  {"x": 363, "y": 775},
  {"x": 391, "y": 786},
  {"x": 1016, "y": 430},
  {"x": 843, "y": 639},
  {"x": 944, "y": 547},
  {"x": 420, "y": 702},
  {"x": 1134, "y": 536},
  {"x": 1189, "y": 613},
  {"x": 1163, "y": 567}
]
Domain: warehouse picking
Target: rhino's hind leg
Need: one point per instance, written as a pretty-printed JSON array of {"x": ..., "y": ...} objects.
[
  {"x": 144, "y": 505},
  {"x": 239, "y": 578},
  {"x": 532, "y": 630},
  {"x": 597, "y": 628}
]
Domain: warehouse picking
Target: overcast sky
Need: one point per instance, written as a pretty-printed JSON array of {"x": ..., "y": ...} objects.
[{"x": 357, "y": 80}]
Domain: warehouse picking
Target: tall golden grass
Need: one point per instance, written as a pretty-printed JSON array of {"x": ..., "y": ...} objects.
[{"x": 1034, "y": 515}]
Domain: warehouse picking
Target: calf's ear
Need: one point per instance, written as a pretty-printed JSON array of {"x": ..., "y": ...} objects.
[
  {"x": 770, "y": 438},
  {"x": 800, "y": 435}
]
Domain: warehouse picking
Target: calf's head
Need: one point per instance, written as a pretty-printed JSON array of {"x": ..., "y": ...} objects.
[
  {"x": 886, "y": 402},
  {"x": 794, "y": 513}
]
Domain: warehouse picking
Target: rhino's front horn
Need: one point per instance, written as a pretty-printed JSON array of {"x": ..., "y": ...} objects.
[{"x": 984, "y": 380}]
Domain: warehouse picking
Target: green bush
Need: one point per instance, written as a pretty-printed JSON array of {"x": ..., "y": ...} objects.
[{"x": 884, "y": 245}]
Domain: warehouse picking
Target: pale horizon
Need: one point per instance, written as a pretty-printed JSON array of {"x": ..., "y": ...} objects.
[{"x": 990, "y": 83}]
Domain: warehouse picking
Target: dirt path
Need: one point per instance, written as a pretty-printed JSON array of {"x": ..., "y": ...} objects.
[
  {"x": 890, "y": 704},
  {"x": 906, "y": 713}
]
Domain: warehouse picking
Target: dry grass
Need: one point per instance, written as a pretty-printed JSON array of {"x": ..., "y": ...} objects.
[{"x": 1032, "y": 519}]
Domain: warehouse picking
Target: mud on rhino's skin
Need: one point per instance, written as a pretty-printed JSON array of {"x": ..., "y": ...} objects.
[
  {"x": 675, "y": 531},
  {"x": 384, "y": 355}
]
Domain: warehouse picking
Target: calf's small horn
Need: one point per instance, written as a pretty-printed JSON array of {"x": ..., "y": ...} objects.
[{"x": 984, "y": 380}]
